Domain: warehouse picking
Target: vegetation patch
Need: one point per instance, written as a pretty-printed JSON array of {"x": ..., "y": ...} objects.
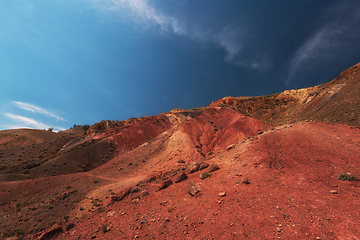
[{"x": 347, "y": 177}]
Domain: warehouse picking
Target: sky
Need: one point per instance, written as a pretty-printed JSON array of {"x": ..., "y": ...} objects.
[{"x": 66, "y": 62}]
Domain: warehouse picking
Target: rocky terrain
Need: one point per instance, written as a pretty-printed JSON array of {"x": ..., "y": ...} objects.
[{"x": 282, "y": 166}]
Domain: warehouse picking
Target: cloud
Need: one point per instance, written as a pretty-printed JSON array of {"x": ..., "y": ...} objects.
[
  {"x": 25, "y": 122},
  {"x": 36, "y": 109},
  {"x": 317, "y": 48},
  {"x": 141, "y": 12},
  {"x": 335, "y": 37}
]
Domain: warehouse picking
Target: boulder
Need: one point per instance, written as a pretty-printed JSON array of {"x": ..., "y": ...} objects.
[
  {"x": 181, "y": 178},
  {"x": 165, "y": 184},
  {"x": 203, "y": 165},
  {"x": 193, "y": 188},
  {"x": 193, "y": 167},
  {"x": 213, "y": 167}
]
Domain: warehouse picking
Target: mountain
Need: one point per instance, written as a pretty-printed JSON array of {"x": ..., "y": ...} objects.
[{"x": 279, "y": 166}]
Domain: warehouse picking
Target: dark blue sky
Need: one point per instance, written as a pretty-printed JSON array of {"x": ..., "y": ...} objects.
[{"x": 65, "y": 62}]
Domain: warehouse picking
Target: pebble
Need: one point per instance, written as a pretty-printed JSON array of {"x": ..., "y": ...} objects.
[
  {"x": 333, "y": 192},
  {"x": 222, "y": 194}
]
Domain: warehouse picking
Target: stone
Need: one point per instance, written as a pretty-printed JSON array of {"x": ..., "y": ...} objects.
[
  {"x": 232, "y": 146},
  {"x": 181, "y": 161},
  {"x": 222, "y": 194},
  {"x": 193, "y": 167},
  {"x": 246, "y": 181},
  {"x": 144, "y": 194},
  {"x": 213, "y": 167},
  {"x": 69, "y": 226},
  {"x": 165, "y": 184},
  {"x": 333, "y": 192},
  {"x": 120, "y": 196},
  {"x": 51, "y": 232},
  {"x": 135, "y": 190},
  {"x": 193, "y": 188},
  {"x": 203, "y": 165},
  {"x": 181, "y": 178}
]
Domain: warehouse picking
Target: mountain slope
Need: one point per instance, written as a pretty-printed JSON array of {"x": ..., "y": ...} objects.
[{"x": 246, "y": 167}]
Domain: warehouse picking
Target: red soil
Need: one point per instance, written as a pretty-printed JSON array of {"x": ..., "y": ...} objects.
[{"x": 291, "y": 170}]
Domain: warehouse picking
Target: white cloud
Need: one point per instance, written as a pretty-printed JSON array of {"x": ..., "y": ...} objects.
[
  {"x": 25, "y": 122},
  {"x": 319, "y": 47},
  {"x": 141, "y": 12},
  {"x": 35, "y": 109}
]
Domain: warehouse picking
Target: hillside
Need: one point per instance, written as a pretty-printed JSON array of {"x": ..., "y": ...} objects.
[
  {"x": 335, "y": 102},
  {"x": 278, "y": 166}
]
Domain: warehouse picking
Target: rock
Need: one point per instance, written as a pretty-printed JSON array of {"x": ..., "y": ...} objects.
[
  {"x": 193, "y": 188},
  {"x": 222, "y": 194},
  {"x": 213, "y": 167},
  {"x": 246, "y": 181},
  {"x": 181, "y": 178},
  {"x": 50, "y": 233},
  {"x": 69, "y": 226},
  {"x": 204, "y": 175},
  {"x": 151, "y": 179},
  {"x": 144, "y": 194},
  {"x": 165, "y": 184},
  {"x": 333, "y": 192},
  {"x": 203, "y": 165},
  {"x": 135, "y": 190},
  {"x": 230, "y": 147},
  {"x": 193, "y": 167},
  {"x": 181, "y": 161},
  {"x": 120, "y": 196}
]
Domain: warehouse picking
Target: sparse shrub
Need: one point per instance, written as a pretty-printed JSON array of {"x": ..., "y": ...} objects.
[
  {"x": 204, "y": 175},
  {"x": 347, "y": 177},
  {"x": 96, "y": 202}
]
